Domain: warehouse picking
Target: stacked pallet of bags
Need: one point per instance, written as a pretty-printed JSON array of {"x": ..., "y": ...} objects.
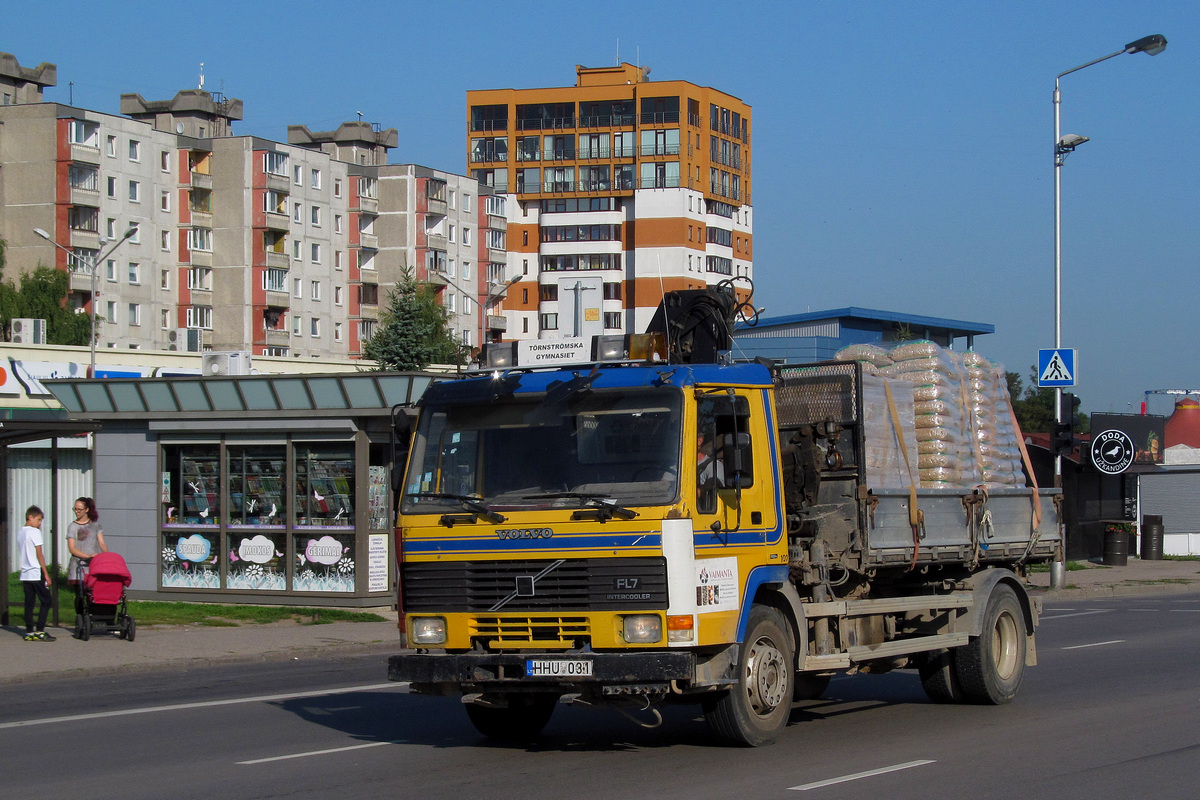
[
  {"x": 872, "y": 357},
  {"x": 946, "y": 450},
  {"x": 999, "y": 449}
]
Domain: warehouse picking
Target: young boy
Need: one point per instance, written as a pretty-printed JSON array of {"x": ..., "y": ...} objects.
[{"x": 35, "y": 578}]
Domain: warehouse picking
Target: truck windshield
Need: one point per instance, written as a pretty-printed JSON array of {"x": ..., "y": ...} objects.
[{"x": 619, "y": 446}]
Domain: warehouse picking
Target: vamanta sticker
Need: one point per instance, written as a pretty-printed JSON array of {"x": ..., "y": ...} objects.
[{"x": 716, "y": 584}]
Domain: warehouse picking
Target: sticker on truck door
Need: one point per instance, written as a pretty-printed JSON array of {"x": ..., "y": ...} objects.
[{"x": 717, "y": 584}]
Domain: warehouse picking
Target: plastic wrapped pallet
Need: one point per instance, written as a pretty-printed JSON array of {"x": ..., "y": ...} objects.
[{"x": 884, "y": 460}]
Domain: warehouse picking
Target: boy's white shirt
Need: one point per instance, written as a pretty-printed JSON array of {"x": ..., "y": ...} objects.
[{"x": 29, "y": 539}]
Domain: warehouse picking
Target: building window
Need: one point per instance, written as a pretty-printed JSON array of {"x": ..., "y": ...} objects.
[
  {"x": 165, "y": 161},
  {"x": 337, "y": 295},
  {"x": 164, "y": 279},
  {"x": 450, "y": 302},
  {"x": 548, "y": 322},
  {"x": 135, "y": 314},
  {"x": 135, "y": 191},
  {"x": 135, "y": 150},
  {"x": 316, "y": 179},
  {"x": 450, "y": 235},
  {"x": 337, "y": 260},
  {"x": 466, "y": 233},
  {"x": 199, "y": 317},
  {"x": 316, "y": 253},
  {"x": 275, "y": 163},
  {"x": 316, "y": 290},
  {"x": 366, "y": 329},
  {"x": 111, "y": 146},
  {"x": 165, "y": 244},
  {"x": 466, "y": 270},
  {"x": 466, "y": 202},
  {"x": 297, "y": 288},
  {"x": 316, "y": 215},
  {"x": 275, "y": 280},
  {"x": 110, "y": 268},
  {"x": 297, "y": 213},
  {"x": 83, "y": 218},
  {"x": 112, "y": 187},
  {"x": 296, "y": 323},
  {"x": 298, "y": 175},
  {"x": 337, "y": 331},
  {"x": 612, "y": 319},
  {"x": 135, "y": 273},
  {"x": 368, "y": 294},
  {"x": 112, "y": 311},
  {"x": 314, "y": 327},
  {"x": 200, "y": 239},
  {"x": 337, "y": 223},
  {"x": 200, "y": 278},
  {"x": 164, "y": 201},
  {"x": 296, "y": 251},
  {"x": 136, "y": 238},
  {"x": 337, "y": 187},
  {"x": 612, "y": 291},
  {"x": 367, "y": 188},
  {"x": 164, "y": 319}
]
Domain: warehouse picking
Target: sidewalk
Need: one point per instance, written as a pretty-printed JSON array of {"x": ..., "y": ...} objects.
[
  {"x": 187, "y": 646},
  {"x": 166, "y": 646}
]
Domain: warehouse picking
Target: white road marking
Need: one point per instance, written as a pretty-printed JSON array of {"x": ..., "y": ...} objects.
[
  {"x": 1093, "y": 644},
  {"x": 266, "y": 698},
  {"x": 317, "y": 752},
  {"x": 1185, "y": 610},
  {"x": 858, "y": 775},
  {"x": 1045, "y": 617}
]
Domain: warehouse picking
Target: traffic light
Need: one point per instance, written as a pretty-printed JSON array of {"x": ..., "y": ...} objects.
[{"x": 1062, "y": 434}]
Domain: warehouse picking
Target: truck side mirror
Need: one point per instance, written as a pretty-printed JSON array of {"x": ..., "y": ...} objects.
[{"x": 737, "y": 455}]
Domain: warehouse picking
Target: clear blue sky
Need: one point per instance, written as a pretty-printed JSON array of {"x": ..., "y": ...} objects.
[{"x": 902, "y": 150}]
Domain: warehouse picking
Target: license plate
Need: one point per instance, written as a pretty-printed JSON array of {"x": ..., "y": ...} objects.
[{"x": 558, "y": 668}]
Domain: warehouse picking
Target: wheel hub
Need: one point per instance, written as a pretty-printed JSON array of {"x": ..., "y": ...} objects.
[{"x": 766, "y": 676}]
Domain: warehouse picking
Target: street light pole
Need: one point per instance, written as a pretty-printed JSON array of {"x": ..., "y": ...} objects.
[
  {"x": 95, "y": 267},
  {"x": 1150, "y": 45}
]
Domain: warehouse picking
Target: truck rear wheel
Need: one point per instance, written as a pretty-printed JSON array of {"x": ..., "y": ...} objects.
[
  {"x": 990, "y": 667},
  {"x": 521, "y": 720},
  {"x": 938, "y": 677},
  {"x": 755, "y": 711}
]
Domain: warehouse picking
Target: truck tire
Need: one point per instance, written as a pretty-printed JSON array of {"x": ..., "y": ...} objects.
[
  {"x": 990, "y": 666},
  {"x": 522, "y": 720},
  {"x": 938, "y": 677},
  {"x": 755, "y": 711}
]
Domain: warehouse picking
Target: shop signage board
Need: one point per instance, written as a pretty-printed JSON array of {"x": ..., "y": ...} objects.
[{"x": 1112, "y": 451}]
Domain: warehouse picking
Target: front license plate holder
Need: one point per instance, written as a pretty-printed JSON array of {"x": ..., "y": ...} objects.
[{"x": 558, "y": 668}]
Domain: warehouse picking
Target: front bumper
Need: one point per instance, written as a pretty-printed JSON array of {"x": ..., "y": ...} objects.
[{"x": 508, "y": 669}]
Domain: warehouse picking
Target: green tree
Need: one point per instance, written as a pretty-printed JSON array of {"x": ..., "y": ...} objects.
[
  {"x": 1034, "y": 406},
  {"x": 42, "y": 295},
  {"x": 413, "y": 331}
]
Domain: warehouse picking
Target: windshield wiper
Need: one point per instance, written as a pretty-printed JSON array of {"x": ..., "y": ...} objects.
[
  {"x": 469, "y": 502},
  {"x": 602, "y": 505}
]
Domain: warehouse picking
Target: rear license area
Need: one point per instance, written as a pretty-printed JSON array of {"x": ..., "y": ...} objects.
[{"x": 558, "y": 668}]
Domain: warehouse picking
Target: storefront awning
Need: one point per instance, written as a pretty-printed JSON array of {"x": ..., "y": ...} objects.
[{"x": 241, "y": 395}]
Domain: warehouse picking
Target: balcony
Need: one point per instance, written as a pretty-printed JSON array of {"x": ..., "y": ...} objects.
[
  {"x": 607, "y": 121},
  {"x": 660, "y": 150},
  {"x": 547, "y": 124},
  {"x": 201, "y": 258},
  {"x": 368, "y": 240},
  {"x": 83, "y": 196},
  {"x": 436, "y": 206},
  {"x": 496, "y": 322},
  {"x": 89, "y": 240},
  {"x": 201, "y": 180},
  {"x": 435, "y": 241},
  {"x": 278, "y": 259},
  {"x": 280, "y": 183},
  {"x": 276, "y": 221},
  {"x": 81, "y": 279},
  {"x": 659, "y": 118},
  {"x": 85, "y": 153},
  {"x": 366, "y": 205},
  {"x": 277, "y": 337}
]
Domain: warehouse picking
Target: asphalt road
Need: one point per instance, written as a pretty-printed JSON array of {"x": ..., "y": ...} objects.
[{"x": 1112, "y": 711}]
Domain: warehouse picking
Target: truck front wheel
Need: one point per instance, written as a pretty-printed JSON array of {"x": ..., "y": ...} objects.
[
  {"x": 755, "y": 711},
  {"x": 991, "y": 665},
  {"x": 522, "y": 719}
]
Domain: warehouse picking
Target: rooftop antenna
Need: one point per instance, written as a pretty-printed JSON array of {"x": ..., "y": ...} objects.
[
  {"x": 360, "y": 115},
  {"x": 618, "y": 51},
  {"x": 201, "y": 86}
]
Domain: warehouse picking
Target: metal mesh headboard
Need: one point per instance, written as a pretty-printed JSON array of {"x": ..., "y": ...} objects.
[{"x": 815, "y": 393}]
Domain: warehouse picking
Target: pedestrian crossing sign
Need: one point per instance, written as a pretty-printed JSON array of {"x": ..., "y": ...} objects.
[{"x": 1056, "y": 368}]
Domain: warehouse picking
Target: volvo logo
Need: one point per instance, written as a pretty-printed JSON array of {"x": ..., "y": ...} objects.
[{"x": 525, "y": 533}]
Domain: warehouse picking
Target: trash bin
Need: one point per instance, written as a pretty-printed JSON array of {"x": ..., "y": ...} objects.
[
  {"x": 1116, "y": 548},
  {"x": 1152, "y": 537}
]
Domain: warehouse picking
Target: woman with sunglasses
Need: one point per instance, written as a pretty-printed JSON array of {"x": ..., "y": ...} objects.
[{"x": 85, "y": 537}]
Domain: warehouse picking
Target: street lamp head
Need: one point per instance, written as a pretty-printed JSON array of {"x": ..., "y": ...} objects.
[
  {"x": 129, "y": 232},
  {"x": 1150, "y": 45},
  {"x": 1069, "y": 142},
  {"x": 42, "y": 233}
]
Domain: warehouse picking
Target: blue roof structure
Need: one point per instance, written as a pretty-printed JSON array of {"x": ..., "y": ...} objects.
[{"x": 818, "y": 335}]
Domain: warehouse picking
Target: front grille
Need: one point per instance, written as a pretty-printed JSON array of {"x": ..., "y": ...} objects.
[
  {"x": 593, "y": 584},
  {"x": 550, "y": 631}
]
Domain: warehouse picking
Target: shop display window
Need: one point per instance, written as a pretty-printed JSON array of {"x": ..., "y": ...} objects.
[
  {"x": 324, "y": 483},
  {"x": 256, "y": 481},
  {"x": 189, "y": 560},
  {"x": 257, "y": 560},
  {"x": 191, "y": 485},
  {"x": 325, "y": 562}
]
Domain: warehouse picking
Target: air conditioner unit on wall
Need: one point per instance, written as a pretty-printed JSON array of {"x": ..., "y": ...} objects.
[
  {"x": 27, "y": 331},
  {"x": 185, "y": 339},
  {"x": 232, "y": 363}
]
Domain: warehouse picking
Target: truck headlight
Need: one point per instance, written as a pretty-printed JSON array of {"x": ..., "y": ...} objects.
[
  {"x": 427, "y": 630},
  {"x": 641, "y": 628}
]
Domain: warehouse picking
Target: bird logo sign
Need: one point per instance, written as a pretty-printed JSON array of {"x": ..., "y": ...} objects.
[{"x": 1112, "y": 451}]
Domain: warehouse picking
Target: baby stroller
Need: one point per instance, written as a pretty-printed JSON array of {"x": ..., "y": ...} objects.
[{"x": 101, "y": 605}]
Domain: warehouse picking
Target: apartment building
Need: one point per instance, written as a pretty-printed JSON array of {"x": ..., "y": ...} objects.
[
  {"x": 239, "y": 242},
  {"x": 618, "y": 190}
]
